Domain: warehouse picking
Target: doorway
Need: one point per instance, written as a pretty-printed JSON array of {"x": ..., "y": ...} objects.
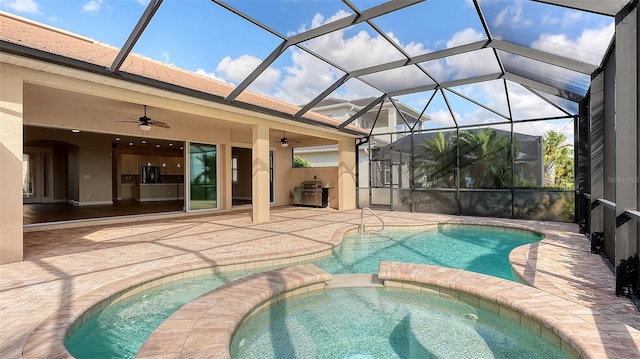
[
  {"x": 241, "y": 176},
  {"x": 35, "y": 162},
  {"x": 381, "y": 184}
]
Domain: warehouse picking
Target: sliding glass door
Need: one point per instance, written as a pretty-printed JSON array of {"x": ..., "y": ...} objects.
[{"x": 203, "y": 187}]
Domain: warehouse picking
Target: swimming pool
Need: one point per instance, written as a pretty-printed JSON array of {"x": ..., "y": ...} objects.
[
  {"x": 120, "y": 329},
  {"x": 383, "y": 323},
  {"x": 480, "y": 249}
]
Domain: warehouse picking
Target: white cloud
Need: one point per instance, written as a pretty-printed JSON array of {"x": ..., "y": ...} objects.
[
  {"x": 540, "y": 128},
  {"x": 572, "y": 17},
  {"x": 464, "y": 37},
  {"x": 439, "y": 118},
  {"x": 318, "y": 20},
  {"x": 512, "y": 16},
  {"x": 92, "y": 6},
  {"x": 526, "y": 105},
  {"x": 305, "y": 78},
  {"x": 236, "y": 70},
  {"x": 165, "y": 56},
  {"x": 464, "y": 65},
  {"x": 359, "y": 51},
  {"x": 24, "y": 6},
  {"x": 211, "y": 75},
  {"x": 548, "y": 19},
  {"x": 489, "y": 93},
  {"x": 588, "y": 47}
]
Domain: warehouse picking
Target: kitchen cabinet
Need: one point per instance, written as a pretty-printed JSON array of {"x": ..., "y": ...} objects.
[
  {"x": 161, "y": 192},
  {"x": 171, "y": 166},
  {"x": 128, "y": 191},
  {"x": 150, "y": 160},
  {"x": 129, "y": 164}
]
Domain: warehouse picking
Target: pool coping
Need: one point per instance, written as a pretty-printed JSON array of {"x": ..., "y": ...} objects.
[
  {"x": 204, "y": 327},
  {"x": 50, "y": 335}
]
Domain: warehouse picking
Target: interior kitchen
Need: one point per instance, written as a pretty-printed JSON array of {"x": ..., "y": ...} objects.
[{"x": 148, "y": 170}]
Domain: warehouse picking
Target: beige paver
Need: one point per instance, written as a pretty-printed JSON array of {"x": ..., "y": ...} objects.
[{"x": 68, "y": 270}]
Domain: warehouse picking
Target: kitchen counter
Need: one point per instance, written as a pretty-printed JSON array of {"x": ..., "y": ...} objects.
[{"x": 160, "y": 191}]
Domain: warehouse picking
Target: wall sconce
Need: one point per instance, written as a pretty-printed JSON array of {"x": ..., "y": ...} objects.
[
  {"x": 178, "y": 165},
  {"x": 148, "y": 164},
  {"x": 164, "y": 164}
]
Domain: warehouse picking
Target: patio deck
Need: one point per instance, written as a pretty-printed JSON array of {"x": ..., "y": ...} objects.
[{"x": 64, "y": 265}]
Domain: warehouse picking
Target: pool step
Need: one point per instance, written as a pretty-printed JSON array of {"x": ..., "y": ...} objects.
[{"x": 354, "y": 280}]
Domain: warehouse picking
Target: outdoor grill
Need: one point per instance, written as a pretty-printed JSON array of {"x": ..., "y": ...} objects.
[{"x": 311, "y": 193}]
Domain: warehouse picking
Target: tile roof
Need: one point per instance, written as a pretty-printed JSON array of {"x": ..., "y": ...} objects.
[{"x": 24, "y": 32}]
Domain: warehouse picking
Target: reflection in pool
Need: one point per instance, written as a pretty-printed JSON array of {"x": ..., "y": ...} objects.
[
  {"x": 121, "y": 329},
  {"x": 383, "y": 323}
]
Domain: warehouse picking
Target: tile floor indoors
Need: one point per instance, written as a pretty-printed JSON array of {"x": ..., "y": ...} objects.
[{"x": 66, "y": 263}]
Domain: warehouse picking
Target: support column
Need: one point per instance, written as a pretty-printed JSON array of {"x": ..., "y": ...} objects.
[
  {"x": 582, "y": 168},
  {"x": 596, "y": 166},
  {"x": 260, "y": 173},
  {"x": 226, "y": 190},
  {"x": 626, "y": 232},
  {"x": 11, "y": 114},
  {"x": 346, "y": 174}
]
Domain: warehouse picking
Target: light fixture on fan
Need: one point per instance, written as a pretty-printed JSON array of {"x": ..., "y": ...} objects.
[
  {"x": 145, "y": 123},
  {"x": 284, "y": 142}
]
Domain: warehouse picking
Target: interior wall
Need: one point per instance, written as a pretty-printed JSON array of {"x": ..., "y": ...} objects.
[
  {"x": 57, "y": 168},
  {"x": 91, "y": 179}
]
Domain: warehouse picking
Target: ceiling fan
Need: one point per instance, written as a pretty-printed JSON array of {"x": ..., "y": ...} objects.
[
  {"x": 145, "y": 123},
  {"x": 284, "y": 141}
]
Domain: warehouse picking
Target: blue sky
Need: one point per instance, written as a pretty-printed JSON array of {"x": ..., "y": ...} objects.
[{"x": 200, "y": 36}]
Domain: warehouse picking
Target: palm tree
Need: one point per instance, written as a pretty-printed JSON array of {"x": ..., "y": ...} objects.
[
  {"x": 485, "y": 159},
  {"x": 207, "y": 175},
  {"x": 436, "y": 160},
  {"x": 203, "y": 180},
  {"x": 558, "y": 162}
]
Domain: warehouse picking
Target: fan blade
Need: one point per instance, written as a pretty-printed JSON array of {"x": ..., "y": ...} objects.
[{"x": 158, "y": 124}]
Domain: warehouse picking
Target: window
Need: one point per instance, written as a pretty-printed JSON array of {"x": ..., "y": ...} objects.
[{"x": 234, "y": 169}]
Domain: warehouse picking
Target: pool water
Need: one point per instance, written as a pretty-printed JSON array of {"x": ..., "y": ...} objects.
[
  {"x": 383, "y": 323},
  {"x": 121, "y": 329},
  {"x": 478, "y": 250}
]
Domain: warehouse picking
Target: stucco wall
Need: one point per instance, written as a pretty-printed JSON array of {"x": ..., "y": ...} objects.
[
  {"x": 11, "y": 108},
  {"x": 47, "y": 98},
  {"x": 327, "y": 175}
]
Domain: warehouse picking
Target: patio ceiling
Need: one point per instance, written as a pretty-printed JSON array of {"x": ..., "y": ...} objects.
[{"x": 411, "y": 51}]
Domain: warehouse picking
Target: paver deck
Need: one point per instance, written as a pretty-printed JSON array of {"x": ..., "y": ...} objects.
[{"x": 64, "y": 266}]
